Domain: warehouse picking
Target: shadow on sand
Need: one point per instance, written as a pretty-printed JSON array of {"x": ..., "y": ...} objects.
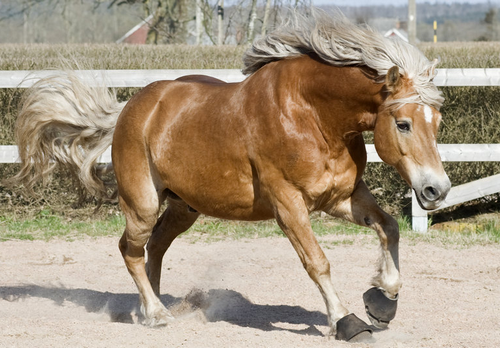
[{"x": 215, "y": 305}]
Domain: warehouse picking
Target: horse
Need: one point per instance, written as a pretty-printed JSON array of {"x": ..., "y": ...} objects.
[{"x": 283, "y": 143}]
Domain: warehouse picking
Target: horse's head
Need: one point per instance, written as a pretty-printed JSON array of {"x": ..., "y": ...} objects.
[{"x": 405, "y": 137}]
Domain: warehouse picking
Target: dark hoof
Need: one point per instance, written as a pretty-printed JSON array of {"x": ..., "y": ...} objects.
[
  {"x": 380, "y": 309},
  {"x": 351, "y": 328}
]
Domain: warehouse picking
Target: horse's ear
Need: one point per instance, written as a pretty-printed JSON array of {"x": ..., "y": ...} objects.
[
  {"x": 432, "y": 70},
  {"x": 393, "y": 79}
]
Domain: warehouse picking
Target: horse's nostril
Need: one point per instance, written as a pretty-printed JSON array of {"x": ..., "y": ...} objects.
[{"x": 431, "y": 193}]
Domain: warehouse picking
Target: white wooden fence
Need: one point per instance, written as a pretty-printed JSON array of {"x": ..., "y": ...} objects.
[
  {"x": 444, "y": 77},
  {"x": 140, "y": 78}
]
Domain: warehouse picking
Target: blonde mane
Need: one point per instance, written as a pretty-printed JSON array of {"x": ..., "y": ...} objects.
[{"x": 339, "y": 42}]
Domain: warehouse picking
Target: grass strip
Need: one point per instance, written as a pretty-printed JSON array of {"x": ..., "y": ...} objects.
[{"x": 47, "y": 226}]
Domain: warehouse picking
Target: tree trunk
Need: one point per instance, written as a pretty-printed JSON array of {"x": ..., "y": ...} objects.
[
  {"x": 251, "y": 22},
  {"x": 199, "y": 21},
  {"x": 266, "y": 17},
  {"x": 169, "y": 21},
  {"x": 25, "y": 27},
  {"x": 220, "y": 18}
]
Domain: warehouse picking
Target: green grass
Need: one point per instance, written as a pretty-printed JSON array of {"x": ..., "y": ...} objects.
[
  {"x": 210, "y": 229},
  {"x": 449, "y": 238},
  {"x": 46, "y": 225}
]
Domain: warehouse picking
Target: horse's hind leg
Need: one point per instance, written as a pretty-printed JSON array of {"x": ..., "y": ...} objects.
[
  {"x": 140, "y": 206},
  {"x": 380, "y": 301},
  {"x": 176, "y": 219}
]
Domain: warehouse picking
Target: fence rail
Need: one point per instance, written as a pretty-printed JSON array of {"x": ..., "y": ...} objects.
[
  {"x": 444, "y": 77},
  {"x": 115, "y": 78},
  {"x": 448, "y": 152},
  {"x": 140, "y": 78}
]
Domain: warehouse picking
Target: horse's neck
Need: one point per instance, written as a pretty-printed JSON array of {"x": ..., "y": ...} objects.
[{"x": 345, "y": 99}]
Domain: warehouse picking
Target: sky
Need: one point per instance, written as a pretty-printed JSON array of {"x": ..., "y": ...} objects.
[{"x": 394, "y": 2}]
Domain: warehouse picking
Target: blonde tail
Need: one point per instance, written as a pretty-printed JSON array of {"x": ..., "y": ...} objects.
[{"x": 63, "y": 121}]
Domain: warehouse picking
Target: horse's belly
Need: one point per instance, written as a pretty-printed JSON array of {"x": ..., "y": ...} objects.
[
  {"x": 231, "y": 211},
  {"x": 233, "y": 205},
  {"x": 227, "y": 194}
]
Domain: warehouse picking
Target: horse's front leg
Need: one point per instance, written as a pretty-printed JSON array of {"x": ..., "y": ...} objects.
[
  {"x": 293, "y": 218},
  {"x": 381, "y": 300}
]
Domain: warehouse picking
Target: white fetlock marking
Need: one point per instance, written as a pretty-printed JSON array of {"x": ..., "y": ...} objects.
[
  {"x": 334, "y": 307},
  {"x": 333, "y": 330},
  {"x": 388, "y": 280},
  {"x": 156, "y": 315},
  {"x": 389, "y": 296}
]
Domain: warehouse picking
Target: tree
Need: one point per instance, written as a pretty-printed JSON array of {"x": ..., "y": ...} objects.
[
  {"x": 220, "y": 22},
  {"x": 169, "y": 21},
  {"x": 267, "y": 11},
  {"x": 24, "y": 8},
  {"x": 251, "y": 21},
  {"x": 490, "y": 19}
]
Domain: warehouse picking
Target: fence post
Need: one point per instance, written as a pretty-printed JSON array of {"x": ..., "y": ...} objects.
[{"x": 419, "y": 216}]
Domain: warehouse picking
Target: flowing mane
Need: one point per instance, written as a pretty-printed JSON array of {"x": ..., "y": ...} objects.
[{"x": 339, "y": 42}]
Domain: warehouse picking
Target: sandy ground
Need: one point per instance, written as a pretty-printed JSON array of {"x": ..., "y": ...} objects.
[{"x": 253, "y": 293}]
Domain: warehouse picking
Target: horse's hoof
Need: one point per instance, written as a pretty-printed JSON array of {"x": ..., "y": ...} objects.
[
  {"x": 351, "y": 328},
  {"x": 379, "y": 308},
  {"x": 161, "y": 317}
]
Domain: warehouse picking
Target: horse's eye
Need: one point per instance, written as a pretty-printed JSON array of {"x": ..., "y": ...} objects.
[{"x": 403, "y": 126}]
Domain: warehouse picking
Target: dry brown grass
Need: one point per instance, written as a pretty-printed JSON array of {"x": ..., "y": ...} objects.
[{"x": 118, "y": 56}]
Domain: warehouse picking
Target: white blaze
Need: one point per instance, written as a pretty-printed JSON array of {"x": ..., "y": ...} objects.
[{"x": 428, "y": 114}]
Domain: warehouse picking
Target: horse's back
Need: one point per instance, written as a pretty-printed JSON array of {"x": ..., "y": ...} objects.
[
  {"x": 162, "y": 103},
  {"x": 201, "y": 79}
]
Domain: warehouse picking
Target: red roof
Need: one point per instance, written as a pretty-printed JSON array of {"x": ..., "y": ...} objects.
[{"x": 138, "y": 34}]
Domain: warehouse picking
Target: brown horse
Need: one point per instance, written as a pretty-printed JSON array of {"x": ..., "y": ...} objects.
[{"x": 283, "y": 143}]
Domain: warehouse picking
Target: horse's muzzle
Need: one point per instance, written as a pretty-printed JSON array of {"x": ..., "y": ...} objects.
[{"x": 431, "y": 195}]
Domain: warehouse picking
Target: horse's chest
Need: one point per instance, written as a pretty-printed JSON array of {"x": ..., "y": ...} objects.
[{"x": 335, "y": 184}]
